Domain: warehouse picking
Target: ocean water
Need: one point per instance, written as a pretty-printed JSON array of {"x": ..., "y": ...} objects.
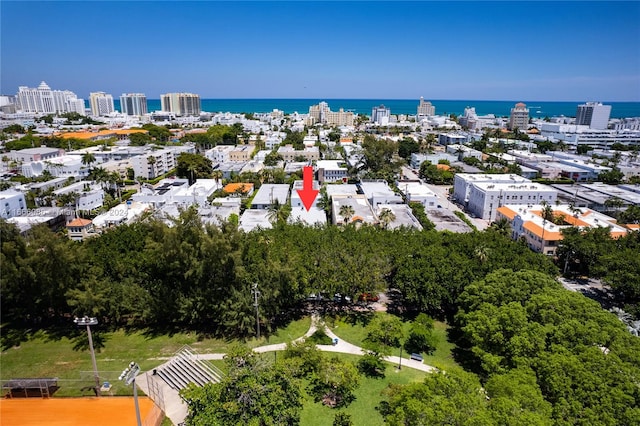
[{"x": 401, "y": 106}]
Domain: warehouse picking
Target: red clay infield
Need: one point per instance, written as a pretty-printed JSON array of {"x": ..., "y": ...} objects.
[{"x": 106, "y": 411}]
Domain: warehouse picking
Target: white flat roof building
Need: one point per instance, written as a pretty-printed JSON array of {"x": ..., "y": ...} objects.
[
  {"x": 416, "y": 192},
  {"x": 341, "y": 189},
  {"x": 295, "y": 197},
  {"x": 403, "y": 216},
  {"x": 462, "y": 182},
  {"x": 12, "y": 203},
  {"x": 363, "y": 213},
  {"x": 380, "y": 193},
  {"x": 314, "y": 216},
  {"x": 485, "y": 197},
  {"x": 253, "y": 219},
  {"x": 268, "y": 194}
]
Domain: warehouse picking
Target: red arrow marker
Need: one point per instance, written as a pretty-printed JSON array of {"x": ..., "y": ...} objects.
[{"x": 307, "y": 193}]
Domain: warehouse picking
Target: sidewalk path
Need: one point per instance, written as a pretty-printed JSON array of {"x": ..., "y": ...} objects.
[{"x": 175, "y": 408}]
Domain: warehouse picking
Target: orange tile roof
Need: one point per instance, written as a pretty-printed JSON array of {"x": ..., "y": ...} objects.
[
  {"x": 79, "y": 222},
  {"x": 443, "y": 166},
  {"x": 537, "y": 231},
  {"x": 91, "y": 135},
  {"x": 234, "y": 187},
  {"x": 507, "y": 212},
  {"x": 633, "y": 226}
]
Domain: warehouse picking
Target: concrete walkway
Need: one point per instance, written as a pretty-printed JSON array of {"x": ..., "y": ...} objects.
[{"x": 175, "y": 408}]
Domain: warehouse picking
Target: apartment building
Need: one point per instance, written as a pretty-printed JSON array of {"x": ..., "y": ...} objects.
[
  {"x": 485, "y": 198},
  {"x": 519, "y": 118},
  {"x": 593, "y": 114},
  {"x": 241, "y": 153},
  {"x": 101, "y": 104},
  {"x": 181, "y": 103},
  {"x": 331, "y": 171},
  {"x": 133, "y": 104},
  {"x": 43, "y": 100},
  {"x": 425, "y": 108},
  {"x": 543, "y": 235},
  {"x": 288, "y": 153}
]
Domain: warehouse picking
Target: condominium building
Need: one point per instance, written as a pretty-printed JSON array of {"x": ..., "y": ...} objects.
[
  {"x": 288, "y": 153},
  {"x": 485, "y": 198},
  {"x": 519, "y": 118},
  {"x": 181, "y": 103},
  {"x": 425, "y": 109},
  {"x": 322, "y": 114},
  {"x": 43, "y": 100},
  {"x": 380, "y": 115},
  {"x": 133, "y": 103},
  {"x": 462, "y": 183},
  {"x": 101, "y": 104},
  {"x": 543, "y": 235},
  {"x": 593, "y": 114}
]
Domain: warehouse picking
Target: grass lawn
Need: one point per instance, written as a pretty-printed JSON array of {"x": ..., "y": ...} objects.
[
  {"x": 368, "y": 396},
  {"x": 46, "y": 355},
  {"x": 351, "y": 328}
]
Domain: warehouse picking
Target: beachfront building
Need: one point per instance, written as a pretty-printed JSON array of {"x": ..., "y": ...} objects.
[
  {"x": 322, "y": 114},
  {"x": 593, "y": 114},
  {"x": 101, "y": 104},
  {"x": 425, "y": 108},
  {"x": 133, "y": 103},
  {"x": 43, "y": 100},
  {"x": 380, "y": 115},
  {"x": 519, "y": 118},
  {"x": 181, "y": 103},
  {"x": 543, "y": 235}
]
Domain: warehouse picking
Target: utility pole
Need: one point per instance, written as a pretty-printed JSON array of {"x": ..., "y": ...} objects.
[{"x": 256, "y": 293}]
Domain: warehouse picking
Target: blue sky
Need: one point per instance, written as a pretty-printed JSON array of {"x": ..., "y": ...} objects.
[{"x": 565, "y": 51}]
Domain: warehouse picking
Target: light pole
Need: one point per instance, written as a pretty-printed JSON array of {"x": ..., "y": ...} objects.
[
  {"x": 256, "y": 293},
  {"x": 128, "y": 376},
  {"x": 89, "y": 321}
]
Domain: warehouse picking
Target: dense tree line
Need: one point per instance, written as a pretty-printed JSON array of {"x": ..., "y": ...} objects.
[{"x": 193, "y": 275}]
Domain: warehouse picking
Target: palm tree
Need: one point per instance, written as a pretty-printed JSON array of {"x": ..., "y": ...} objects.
[
  {"x": 501, "y": 226},
  {"x": 88, "y": 159},
  {"x": 151, "y": 160},
  {"x": 547, "y": 211},
  {"x": 278, "y": 213},
  {"x": 386, "y": 216},
  {"x": 482, "y": 253},
  {"x": 217, "y": 175},
  {"x": 346, "y": 212}
]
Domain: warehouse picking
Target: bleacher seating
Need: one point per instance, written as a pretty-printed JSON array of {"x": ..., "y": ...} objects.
[{"x": 187, "y": 367}]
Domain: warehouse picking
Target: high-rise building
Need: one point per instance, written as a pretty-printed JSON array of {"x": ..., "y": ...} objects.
[
  {"x": 43, "y": 100},
  {"x": 36, "y": 100},
  {"x": 425, "y": 109},
  {"x": 181, "y": 103},
  {"x": 593, "y": 114},
  {"x": 101, "y": 103},
  {"x": 322, "y": 114},
  {"x": 519, "y": 117},
  {"x": 380, "y": 115},
  {"x": 133, "y": 104}
]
